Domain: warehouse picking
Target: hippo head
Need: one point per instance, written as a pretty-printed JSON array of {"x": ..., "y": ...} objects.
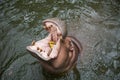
[
  {"x": 57, "y": 52},
  {"x": 48, "y": 48}
]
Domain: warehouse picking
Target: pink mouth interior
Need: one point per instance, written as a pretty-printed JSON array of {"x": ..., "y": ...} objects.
[{"x": 48, "y": 47}]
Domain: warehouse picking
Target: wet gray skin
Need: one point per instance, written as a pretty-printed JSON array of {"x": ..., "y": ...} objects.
[
  {"x": 64, "y": 53},
  {"x": 95, "y": 23}
]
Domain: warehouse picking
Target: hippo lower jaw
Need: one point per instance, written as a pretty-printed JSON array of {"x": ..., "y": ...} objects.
[{"x": 48, "y": 47}]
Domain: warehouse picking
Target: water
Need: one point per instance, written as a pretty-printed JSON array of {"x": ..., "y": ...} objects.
[{"x": 96, "y": 23}]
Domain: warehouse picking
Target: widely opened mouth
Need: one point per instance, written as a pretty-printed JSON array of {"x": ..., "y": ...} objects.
[{"x": 48, "y": 47}]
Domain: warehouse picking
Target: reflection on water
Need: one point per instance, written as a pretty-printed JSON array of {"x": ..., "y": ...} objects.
[{"x": 96, "y": 23}]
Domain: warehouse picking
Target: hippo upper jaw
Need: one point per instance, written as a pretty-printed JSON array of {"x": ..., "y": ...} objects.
[{"x": 59, "y": 24}]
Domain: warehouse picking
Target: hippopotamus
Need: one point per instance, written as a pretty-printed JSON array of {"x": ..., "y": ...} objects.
[{"x": 58, "y": 52}]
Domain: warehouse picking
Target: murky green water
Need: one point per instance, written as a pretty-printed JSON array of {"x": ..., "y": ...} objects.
[{"x": 96, "y": 23}]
